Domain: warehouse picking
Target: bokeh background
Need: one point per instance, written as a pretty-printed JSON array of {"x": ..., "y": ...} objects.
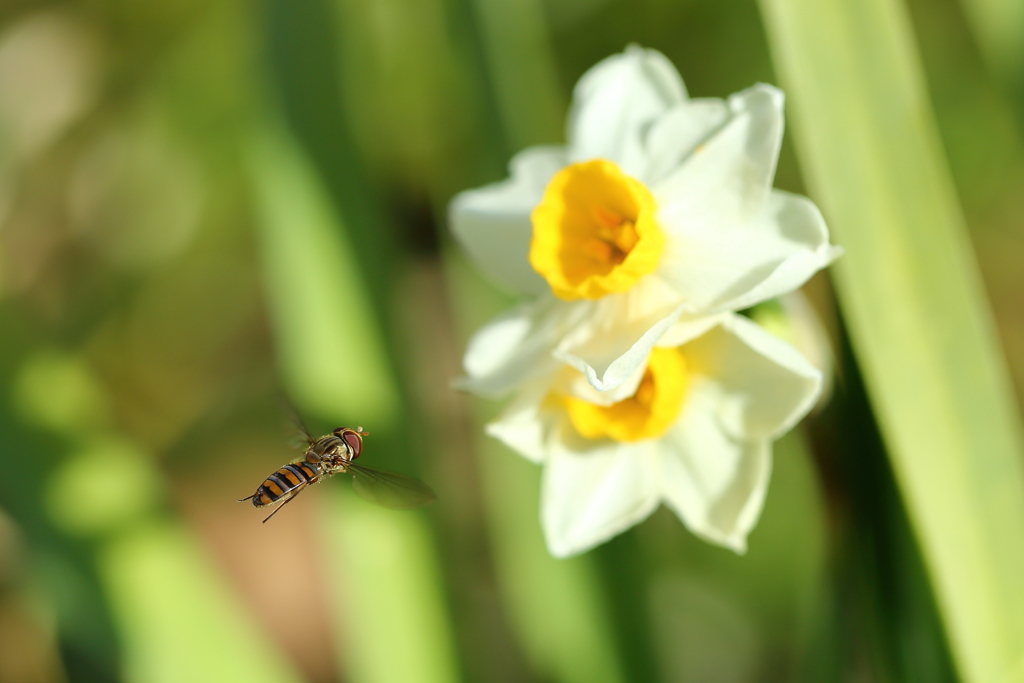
[{"x": 206, "y": 205}]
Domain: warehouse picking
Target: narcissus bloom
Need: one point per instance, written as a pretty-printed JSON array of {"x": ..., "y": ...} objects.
[
  {"x": 660, "y": 209},
  {"x": 692, "y": 427}
]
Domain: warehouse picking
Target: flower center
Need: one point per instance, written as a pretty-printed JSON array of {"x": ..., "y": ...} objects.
[
  {"x": 594, "y": 231},
  {"x": 647, "y": 414}
]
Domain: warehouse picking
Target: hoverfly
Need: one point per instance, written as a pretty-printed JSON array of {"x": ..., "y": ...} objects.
[{"x": 334, "y": 454}]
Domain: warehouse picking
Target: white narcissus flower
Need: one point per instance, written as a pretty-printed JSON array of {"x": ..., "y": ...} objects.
[
  {"x": 792, "y": 318},
  {"x": 692, "y": 428},
  {"x": 659, "y": 209}
]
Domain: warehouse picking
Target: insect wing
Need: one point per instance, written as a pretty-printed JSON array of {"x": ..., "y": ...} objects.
[
  {"x": 304, "y": 439},
  {"x": 390, "y": 489}
]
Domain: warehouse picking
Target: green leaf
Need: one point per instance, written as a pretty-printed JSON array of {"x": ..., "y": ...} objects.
[
  {"x": 390, "y": 607},
  {"x": 396, "y": 625},
  {"x": 330, "y": 348},
  {"x": 521, "y": 68},
  {"x": 177, "y": 619},
  {"x": 913, "y": 301},
  {"x": 999, "y": 28}
]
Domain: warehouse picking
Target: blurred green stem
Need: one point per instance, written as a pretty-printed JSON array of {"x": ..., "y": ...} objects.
[{"x": 918, "y": 319}]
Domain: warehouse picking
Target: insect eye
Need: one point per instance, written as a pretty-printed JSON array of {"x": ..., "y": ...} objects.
[{"x": 355, "y": 442}]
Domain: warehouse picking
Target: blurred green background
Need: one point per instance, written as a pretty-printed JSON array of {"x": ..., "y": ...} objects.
[{"x": 206, "y": 204}]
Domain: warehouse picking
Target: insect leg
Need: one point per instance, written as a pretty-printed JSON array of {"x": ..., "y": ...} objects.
[
  {"x": 283, "y": 503},
  {"x": 242, "y": 500}
]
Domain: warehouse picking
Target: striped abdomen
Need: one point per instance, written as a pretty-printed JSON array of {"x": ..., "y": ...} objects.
[{"x": 291, "y": 478}]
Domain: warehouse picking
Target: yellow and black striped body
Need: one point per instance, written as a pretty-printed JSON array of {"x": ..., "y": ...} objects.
[{"x": 286, "y": 482}]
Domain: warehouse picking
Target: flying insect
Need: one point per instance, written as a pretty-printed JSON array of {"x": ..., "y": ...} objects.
[{"x": 331, "y": 454}]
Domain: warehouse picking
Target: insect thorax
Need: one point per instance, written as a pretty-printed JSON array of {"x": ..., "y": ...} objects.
[{"x": 330, "y": 453}]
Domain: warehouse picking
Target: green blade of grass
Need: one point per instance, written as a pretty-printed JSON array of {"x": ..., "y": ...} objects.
[
  {"x": 177, "y": 619},
  {"x": 999, "y": 28},
  {"x": 914, "y": 305},
  {"x": 331, "y": 351},
  {"x": 521, "y": 70},
  {"x": 391, "y": 613},
  {"x": 397, "y": 627}
]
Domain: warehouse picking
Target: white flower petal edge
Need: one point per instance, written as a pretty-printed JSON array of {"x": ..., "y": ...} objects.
[
  {"x": 575, "y": 384},
  {"x": 714, "y": 483},
  {"x": 675, "y": 136},
  {"x": 593, "y": 490},
  {"x": 615, "y": 102},
  {"x": 517, "y": 345},
  {"x": 759, "y": 385},
  {"x": 808, "y": 334},
  {"x": 689, "y": 328},
  {"x": 725, "y": 181},
  {"x": 732, "y": 240},
  {"x": 612, "y": 341},
  {"x": 731, "y": 268},
  {"x": 524, "y": 425},
  {"x": 607, "y": 354},
  {"x": 749, "y": 388},
  {"x": 493, "y": 222}
]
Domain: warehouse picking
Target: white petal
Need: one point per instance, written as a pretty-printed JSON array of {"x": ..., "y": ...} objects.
[
  {"x": 714, "y": 482},
  {"x": 675, "y": 135},
  {"x": 615, "y": 101},
  {"x": 493, "y": 222},
  {"x": 576, "y": 384},
  {"x": 759, "y": 385},
  {"x": 688, "y": 328},
  {"x": 525, "y": 424},
  {"x": 516, "y": 346},
  {"x": 725, "y": 182},
  {"x": 615, "y": 339},
  {"x": 811, "y": 338},
  {"x": 593, "y": 490},
  {"x": 731, "y": 267}
]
